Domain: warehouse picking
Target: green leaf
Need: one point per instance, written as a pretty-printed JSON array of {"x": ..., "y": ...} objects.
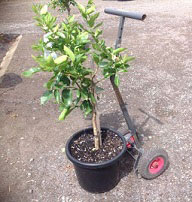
[
  {"x": 86, "y": 107},
  {"x": 58, "y": 87},
  {"x": 31, "y": 71},
  {"x": 85, "y": 94},
  {"x": 44, "y": 10},
  {"x": 69, "y": 53},
  {"x": 98, "y": 25},
  {"x": 65, "y": 80},
  {"x": 86, "y": 82},
  {"x": 106, "y": 73},
  {"x": 57, "y": 96},
  {"x": 61, "y": 35},
  {"x": 83, "y": 37},
  {"x": 35, "y": 8},
  {"x": 49, "y": 59},
  {"x": 64, "y": 113},
  {"x": 96, "y": 46},
  {"x": 46, "y": 97},
  {"x": 60, "y": 59},
  {"x": 42, "y": 62},
  {"x": 64, "y": 26},
  {"x": 127, "y": 59},
  {"x": 71, "y": 19},
  {"x": 80, "y": 58},
  {"x": 118, "y": 50},
  {"x": 116, "y": 80},
  {"x": 55, "y": 29},
  {"x": 91, "y": 10},
  {"x": 48, "y": 85},
  {"x": 39, "y": 46},
  {"x": 90, "y": 2},
  {"x": 91, "y": 22},
  {"x": 67, "y": 97},
  {"x": 81, "y": 8},
  {"x": 93, "y": 100},
  {"x": 96, "y": 58},
  {"x": 78, "y": 94},
  {"x": 103, "y": 64},
  {"x": 98, "y": 32}
]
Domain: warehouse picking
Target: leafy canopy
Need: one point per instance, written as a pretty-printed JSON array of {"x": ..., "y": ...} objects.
[{"x": 74, "y": 82}]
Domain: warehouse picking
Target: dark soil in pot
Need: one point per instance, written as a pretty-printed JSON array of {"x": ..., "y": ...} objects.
[
  {"x": 83, "y": 150},
  {"x": 97, "y": 171}
]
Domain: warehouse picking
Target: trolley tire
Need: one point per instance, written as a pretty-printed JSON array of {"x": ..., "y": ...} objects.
[{"x": 153, "y": 163}]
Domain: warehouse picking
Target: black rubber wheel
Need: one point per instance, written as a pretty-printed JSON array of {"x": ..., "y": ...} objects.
[{"x": 153, "y": 163}]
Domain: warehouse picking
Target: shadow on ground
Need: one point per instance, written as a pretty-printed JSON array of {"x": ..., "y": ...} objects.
[
  {"x": 115, "y": 120},
  {"x": 126, "y": 165},
  {"x": 112, "y": 120},
  {"x": 10, "y": 80}
]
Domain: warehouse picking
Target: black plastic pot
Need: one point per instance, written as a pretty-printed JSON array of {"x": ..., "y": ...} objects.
[{"x": 100, "y": 177}]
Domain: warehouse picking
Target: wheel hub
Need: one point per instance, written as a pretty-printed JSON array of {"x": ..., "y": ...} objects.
[{"x": 156, "y": 165}]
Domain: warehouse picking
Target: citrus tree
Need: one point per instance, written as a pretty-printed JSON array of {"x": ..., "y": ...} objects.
[{"x": 74, "y": 82}]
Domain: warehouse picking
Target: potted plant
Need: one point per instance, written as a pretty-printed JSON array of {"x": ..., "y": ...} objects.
[{"x": 95, "y": 152}]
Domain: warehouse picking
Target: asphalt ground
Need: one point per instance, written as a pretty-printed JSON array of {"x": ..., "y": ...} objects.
[{"x": 157, "y": 90}]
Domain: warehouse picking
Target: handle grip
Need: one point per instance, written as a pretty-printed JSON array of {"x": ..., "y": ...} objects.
[{"x": 132, "y": 15}]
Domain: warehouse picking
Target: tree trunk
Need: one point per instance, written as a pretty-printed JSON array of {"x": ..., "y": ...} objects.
[
  {"x": 96, "y": 127},
  {"x": 67, "y": 6},
  {"x": 68, "y": 11}
]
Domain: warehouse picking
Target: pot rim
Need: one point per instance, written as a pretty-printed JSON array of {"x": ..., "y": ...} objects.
[{"x": 94, "y": 165}]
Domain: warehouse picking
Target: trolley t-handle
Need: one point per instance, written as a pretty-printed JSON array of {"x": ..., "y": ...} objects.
[
  {"x": 123, "y": 15},
  {"x": 126, "y": 14}
]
